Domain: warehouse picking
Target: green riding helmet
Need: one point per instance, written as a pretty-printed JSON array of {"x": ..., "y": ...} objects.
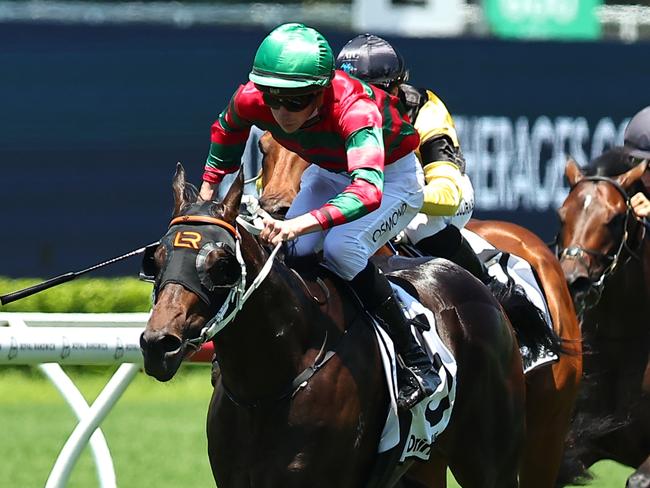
[{"x": 293, "y": 59}]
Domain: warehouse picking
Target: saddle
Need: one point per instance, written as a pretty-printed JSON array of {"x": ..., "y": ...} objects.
[{"x": 512, "y": 281}]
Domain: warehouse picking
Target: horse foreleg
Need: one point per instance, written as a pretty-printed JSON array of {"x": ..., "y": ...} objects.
[
  {"x": 432, "y": 474},
  {"x": 641, "y": 477},
  {"x": 550, "y": 396}
]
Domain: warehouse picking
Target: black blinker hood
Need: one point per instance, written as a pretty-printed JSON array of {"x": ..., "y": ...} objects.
[{"x": 183, "y": 243}]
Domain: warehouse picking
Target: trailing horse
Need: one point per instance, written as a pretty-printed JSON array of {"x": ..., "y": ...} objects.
[
  {"x": 605, "y": 256},
  {"x": 301, "y": 397},
  {"x": 550, "y": 391}
]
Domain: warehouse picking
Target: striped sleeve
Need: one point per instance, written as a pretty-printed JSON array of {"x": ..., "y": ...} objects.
[
  {"x": 228, "y": 140},
  {"x": 365, "y": 154}
]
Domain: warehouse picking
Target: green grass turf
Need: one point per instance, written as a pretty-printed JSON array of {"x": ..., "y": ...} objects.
[{"x": 156, "y": 432}]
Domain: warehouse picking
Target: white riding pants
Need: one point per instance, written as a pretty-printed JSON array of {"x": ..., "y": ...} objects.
[
  {"x": 424, "y": 225},
  {"x": 347, "y": 247}
]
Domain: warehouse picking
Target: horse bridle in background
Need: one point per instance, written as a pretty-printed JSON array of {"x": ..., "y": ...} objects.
[{"x": 580, "y": 253}]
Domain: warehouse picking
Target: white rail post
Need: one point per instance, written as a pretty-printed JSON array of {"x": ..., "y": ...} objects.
[
  {"x": 71, "y": 394},
  {"x": 87, "y": 425},
  {"x": 98, "y": 446},
  {"x": 22, "y": 344}
]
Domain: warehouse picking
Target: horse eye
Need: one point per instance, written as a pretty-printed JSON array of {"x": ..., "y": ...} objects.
[
  {"x": 616, "y": 221},
  {"x": 222, "y": 267}
]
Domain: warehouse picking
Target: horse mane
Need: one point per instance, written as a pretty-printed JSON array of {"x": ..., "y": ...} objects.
[{"x": 614, "y": 162}]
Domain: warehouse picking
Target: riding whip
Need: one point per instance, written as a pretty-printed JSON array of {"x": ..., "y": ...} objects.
[{"x": 64, "y": 278}]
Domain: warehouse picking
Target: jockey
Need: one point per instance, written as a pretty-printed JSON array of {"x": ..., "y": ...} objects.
[
  {"x": 637, "y": 145},
  {"x": 448, "y": 195},
  {"x": 363, "y": 186}
]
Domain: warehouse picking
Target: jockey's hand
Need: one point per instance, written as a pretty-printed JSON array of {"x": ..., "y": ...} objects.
[
  {"x": 208, "y": 191},
  {"x": 276, "y": 231},
  {"x": 640, "y": 204}
]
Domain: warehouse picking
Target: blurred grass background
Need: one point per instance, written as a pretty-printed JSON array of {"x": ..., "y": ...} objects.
[{"x": 156, "y": 432}]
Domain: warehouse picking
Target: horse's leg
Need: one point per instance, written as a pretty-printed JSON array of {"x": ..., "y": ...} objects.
[
  {"x": 550, "y": 398},
  {"x": 550, "y": 391},
  {"x": 432, "y": 474},
  {"x": 545, "y": 439},
  {"x": 489, "y": 411},
  {"x": 641, "y": 477}
]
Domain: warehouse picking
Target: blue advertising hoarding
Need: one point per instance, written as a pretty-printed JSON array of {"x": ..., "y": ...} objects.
[{"x": 94, "y": 120}]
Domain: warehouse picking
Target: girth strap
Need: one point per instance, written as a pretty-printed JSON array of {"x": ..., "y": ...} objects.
[{"x": 299, "y": 381}]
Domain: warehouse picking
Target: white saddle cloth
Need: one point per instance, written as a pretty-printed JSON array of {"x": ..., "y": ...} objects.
[
  {"x": 522, "y": 273},
  {"x": 431, "y": 416}
]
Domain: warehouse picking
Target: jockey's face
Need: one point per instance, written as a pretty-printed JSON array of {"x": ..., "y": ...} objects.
[{"x": 291, "y": 120}]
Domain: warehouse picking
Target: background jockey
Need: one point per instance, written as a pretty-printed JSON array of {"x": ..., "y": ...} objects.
[
  {"x": 637, "y": 145},
  {"x": 448, "y": 195},
  {"x": 363, "y": 186}
]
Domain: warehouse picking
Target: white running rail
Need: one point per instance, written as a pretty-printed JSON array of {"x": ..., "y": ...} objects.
[{"x": 49, "y": 340}]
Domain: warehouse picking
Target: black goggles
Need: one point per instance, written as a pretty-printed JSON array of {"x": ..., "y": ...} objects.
[{"x": 295, "y": 103}]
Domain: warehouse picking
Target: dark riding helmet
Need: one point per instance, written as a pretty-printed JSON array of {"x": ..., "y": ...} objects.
[{"x": 372, "y": 59}]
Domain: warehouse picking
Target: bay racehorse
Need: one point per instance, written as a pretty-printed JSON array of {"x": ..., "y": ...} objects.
[
  {"x": 282, "y": 415},
  {"x": 550, "y": 391},
  {"x": 605, "y": 256}
]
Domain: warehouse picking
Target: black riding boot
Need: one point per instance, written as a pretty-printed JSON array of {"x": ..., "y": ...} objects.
[
  {"x": 417, "y": 378},
  {"x": 450, "y": 244},
  {"x": 467, "y": 258}
]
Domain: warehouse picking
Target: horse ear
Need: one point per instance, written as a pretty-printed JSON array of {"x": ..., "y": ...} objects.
[
  {"x": 178, "y": 186},
  {"x": 627, "y": 179},
  {"x": 232, "y": 200},
  {"x": 184, "y": 192},
  {"x": 572, "y": 171}
]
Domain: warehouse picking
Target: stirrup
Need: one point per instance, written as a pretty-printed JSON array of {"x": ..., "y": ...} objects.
[{"x": 415, "y": 383}]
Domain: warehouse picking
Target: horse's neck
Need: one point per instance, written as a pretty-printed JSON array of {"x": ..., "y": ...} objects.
[
  {"x": 615, "y": 334},
  {"x": 260, "y": 352},
  {"x": 622, "y": 309}
]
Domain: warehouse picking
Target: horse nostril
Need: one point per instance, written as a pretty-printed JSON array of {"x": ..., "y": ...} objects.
[
  {"x": 281, "y": 210},
  {"x": 277, "y": 207},
  {"x": 163, "y": 343},
  {"x": 170, "y": 343},
  {"x": 266, "y": 203}
]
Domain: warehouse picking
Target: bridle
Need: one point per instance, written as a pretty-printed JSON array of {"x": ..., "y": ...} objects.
[
  {"x": 238, "y": 292},
  {"x": 614, "y": 260}
]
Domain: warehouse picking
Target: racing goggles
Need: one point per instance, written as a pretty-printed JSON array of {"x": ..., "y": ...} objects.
[{"x": 296, "y": 103}]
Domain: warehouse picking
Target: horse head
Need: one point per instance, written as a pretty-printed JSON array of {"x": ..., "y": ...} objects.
[
  {"x": 598, "y": 230},
  {"x": 281, "y": 172},
  {"x": 195, "y": 266}
]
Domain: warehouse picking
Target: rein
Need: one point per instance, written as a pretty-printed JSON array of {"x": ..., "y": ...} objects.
[
  {"x": 298, "y": 383},
  {"x": 238, "y": 296},
  {"x": 580, "y": 253}
]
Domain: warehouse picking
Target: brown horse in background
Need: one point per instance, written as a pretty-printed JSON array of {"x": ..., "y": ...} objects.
[
  {"x": 605, "y": 256},
  {"x": 550, "y": 391},
  {"x": 269, "y": 425}
]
